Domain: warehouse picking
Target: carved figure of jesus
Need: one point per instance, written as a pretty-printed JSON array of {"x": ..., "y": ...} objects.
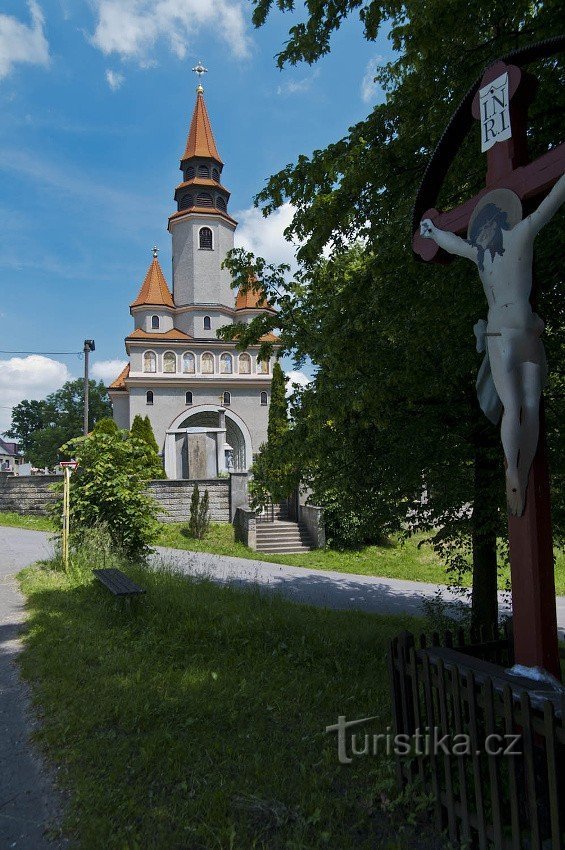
[{"x": 514, "y": 369}]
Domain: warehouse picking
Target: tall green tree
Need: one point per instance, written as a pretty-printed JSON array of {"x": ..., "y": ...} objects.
[
  {"x": 392, "y": 416},
  {"x": 141, "y": 428},
  {"x": 275, "y": 473},
  {"x": 41, "y": 427}
]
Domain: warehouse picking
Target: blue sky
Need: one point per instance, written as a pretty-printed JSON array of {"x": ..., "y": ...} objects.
[{"x": 96, "y": 98}]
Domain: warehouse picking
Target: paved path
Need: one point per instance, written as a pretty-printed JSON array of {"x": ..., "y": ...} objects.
[{"x": 28, "y": 803}]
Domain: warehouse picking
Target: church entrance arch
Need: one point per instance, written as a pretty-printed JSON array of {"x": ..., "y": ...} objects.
[{"x": 212, "y": 418}]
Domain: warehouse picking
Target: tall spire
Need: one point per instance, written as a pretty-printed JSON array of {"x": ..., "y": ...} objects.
[
  {"x": 201, "y": 188},
  {"x": 200, "y": 141},
  {"x": 154, "y": 290}
]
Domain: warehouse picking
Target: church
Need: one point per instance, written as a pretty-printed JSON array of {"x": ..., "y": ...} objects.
[{"x": 207, "y": 402}]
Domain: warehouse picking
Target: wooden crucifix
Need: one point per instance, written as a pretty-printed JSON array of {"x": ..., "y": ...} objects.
[{"x": 489, "y": 230}]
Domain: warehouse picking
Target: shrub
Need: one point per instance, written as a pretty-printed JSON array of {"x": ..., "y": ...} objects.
[
  {"x": 199, "y": 514},
  {"x": 109, "y": 488}
]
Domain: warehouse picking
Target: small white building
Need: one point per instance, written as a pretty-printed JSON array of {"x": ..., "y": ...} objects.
[{"x": 207, "y": 403}]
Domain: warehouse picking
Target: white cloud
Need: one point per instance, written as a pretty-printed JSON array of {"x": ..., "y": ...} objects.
[
  {"x": 31, "y": 377},
  {"x": 22, "y": 42},
  {"x": 131, "y": 28},
  {"x": 291, "y": 87},
  {"x": 114, "y": 79},
  {"x": 369, "y": 88},
  {"x": 296, "y": 379},
  {"x": 265, "y": 236},
  {"x": 107, "y": 370}
]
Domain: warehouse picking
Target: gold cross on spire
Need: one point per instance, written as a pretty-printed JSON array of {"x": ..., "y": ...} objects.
[{"x": 200, "y": 70}]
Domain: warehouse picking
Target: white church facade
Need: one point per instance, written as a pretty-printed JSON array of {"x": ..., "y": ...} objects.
[{"x": 207, "y": 402}]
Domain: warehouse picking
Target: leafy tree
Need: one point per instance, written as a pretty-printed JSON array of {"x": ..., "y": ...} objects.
[
  {"x": 393, "y": 412},
  {"x": 110, "y": 488},
  {"x": 141, "y": 428},
  {"x": 106, "y": 426},
  {"x": 41, "y": 427},
  {"x": 27, "y": 418}
]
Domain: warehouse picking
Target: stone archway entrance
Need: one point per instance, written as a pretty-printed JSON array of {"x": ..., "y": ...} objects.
[{"x": 208, "y": 438}]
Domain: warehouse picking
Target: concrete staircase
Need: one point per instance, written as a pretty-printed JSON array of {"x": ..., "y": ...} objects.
[{"x": 276, "y": 533}]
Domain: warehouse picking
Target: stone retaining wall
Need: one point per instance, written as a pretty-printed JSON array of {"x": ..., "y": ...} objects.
[
  {"x": 313, "y": 519},
  {"x": 32, "y": 495},
  {"x": 27, "y": 494},
  {"x": 174, "y": 498},
  {"x": 245, "y": 527}
]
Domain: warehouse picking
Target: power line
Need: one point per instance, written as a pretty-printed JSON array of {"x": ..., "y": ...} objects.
[{"x": 44, "y": 353}]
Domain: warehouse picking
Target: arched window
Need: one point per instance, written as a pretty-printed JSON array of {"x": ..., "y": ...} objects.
[
  {"x": 205, "y": 239},
  {"x": 203, "y": 171},
  {"x": 207, "y": 362},
  {"x": 155, "y": 323},
  {"x": 186, "y": 201},
  {"x": 263, "y": 367},
  {"x": 264, "y": 399},
  {"x": 149, "y": 397},
  {"x": 226, "y": 399},
  {"x": 189, "y": 173},
  {"x": 169, "y": 362},
  {"x": 207, "y": 323},
  {"x": 216, "y": 174},
  {"x": 244, "y": 364},
  {"x": 220, "y": 203},
  {"x": 226, "y": 364},
  {"x": 149, "y": 361},
  {"x": 204, "y": 199},
  {"x": 188, "y": 363},
  {"x": 188, "y": 398}
]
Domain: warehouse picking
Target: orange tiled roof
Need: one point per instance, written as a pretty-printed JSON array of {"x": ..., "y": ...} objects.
[
  {"x": 252, "y": 299},
  {"x": 174, "y": 333},
  {"x": 269, "y": 338},
  {"x": 154, "y": 290},
  {"x": 202, "y": 181},
  {"x": 120, "y": 382},
  {"x": 203, "y": 210},
  {"x": 200, "y": 141}
]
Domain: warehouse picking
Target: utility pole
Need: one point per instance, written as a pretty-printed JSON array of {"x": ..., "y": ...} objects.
[{"x": 88, "y": 347}]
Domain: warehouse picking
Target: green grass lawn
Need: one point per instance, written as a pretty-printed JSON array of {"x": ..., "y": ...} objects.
[
  {"x": 36, "y": 523},
  {"x": 404, "y": 560},
  {"x": 199, "y": 722}
]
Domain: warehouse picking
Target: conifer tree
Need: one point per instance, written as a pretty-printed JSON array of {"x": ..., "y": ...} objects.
[{"x": 141, "y": 428}]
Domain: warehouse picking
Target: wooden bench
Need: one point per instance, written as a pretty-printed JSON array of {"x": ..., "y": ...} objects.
[{"x": 119, "y": 584}]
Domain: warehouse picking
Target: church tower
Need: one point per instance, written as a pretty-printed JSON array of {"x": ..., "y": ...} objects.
[
  {"x": 199, "y": 392},
  {"x": 202, "y": 229}
]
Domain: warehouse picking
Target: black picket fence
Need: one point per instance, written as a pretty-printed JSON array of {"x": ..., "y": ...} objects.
[{"x": 483, "y": 797}]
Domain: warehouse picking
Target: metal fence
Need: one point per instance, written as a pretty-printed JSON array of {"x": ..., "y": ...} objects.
[{"x": 483, "y": 798}]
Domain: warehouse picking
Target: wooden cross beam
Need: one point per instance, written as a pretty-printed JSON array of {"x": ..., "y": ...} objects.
[{"x": 530, "y": 535}]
